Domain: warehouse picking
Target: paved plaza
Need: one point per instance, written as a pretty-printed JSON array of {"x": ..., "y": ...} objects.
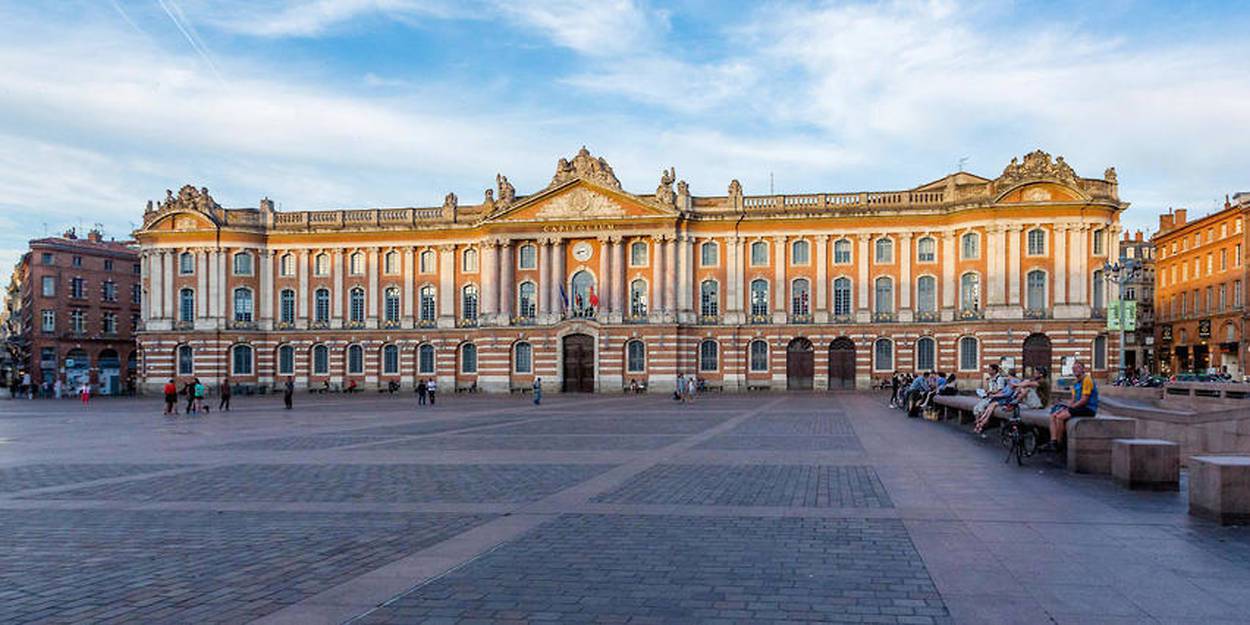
[{"x": 767, "y": 508}]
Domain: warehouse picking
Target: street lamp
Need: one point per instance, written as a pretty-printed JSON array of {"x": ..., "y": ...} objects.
[{"x": 1119, "y": 274}]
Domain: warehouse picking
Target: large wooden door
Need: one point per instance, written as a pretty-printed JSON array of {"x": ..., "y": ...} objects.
[
  {"x": 579, "y": 363},
  {"x": 1037, "y": 353},
  {"x": 800, "y": 365},
  {"x": 841, "y": 364}
]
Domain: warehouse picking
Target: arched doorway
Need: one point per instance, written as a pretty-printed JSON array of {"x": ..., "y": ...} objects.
[
  {"x": 110, "y": 376},
  {"x": 579, "y": 363},
  {"x": 77, "y": 368},
  {"x": 842, "y": 364},
  {"x": 800, "y": 365},
  {"x": 1037, "y": 353}
]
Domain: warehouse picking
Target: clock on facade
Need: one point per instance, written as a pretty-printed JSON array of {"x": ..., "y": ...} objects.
[{"x": 582, "y": 251}]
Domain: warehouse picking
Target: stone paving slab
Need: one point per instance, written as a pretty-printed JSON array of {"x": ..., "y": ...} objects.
[
  {"x": 685, "y": 570},
  {"x": 193, "y": 567},
  {"x": 782, "y": 443},
  {"x": 475, "y": 483},
  {"x": 32, "y": 476},
  {"x": 533, "y": 442},
  {"x": 812, "y": 486},
  {"x": 299, "y": 443},
  {"x": 675, "y": 424},
  {"x": 831, "y": 423},
  {"x": 418, "y": 428}
]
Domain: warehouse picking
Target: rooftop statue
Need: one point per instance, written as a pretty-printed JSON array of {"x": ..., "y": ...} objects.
[{"x": 585, "y": 167}]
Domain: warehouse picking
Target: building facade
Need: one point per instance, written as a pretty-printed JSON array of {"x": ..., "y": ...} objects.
[
  {"x": 1200, "y": 292},
  {"x": 76, "y": 312},
  {"x": 591, "y": 288},
  {"x": 1139, "y": 345}
]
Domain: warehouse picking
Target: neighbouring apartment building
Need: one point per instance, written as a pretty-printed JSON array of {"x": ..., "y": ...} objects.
[
  {"x": 1139, "y": 345},
  {"x": 590, "y": 287},
  {"x": 1200, "y": 289},
  {"x": 76, "y": 310}
]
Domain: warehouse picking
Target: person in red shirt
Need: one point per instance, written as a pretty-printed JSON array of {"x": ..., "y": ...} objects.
[{"x": 171, "y": 397}]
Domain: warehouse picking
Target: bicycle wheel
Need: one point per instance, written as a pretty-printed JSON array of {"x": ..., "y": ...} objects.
[
  {"x": 1028, "y": 442},
  {"x": 1004, "y": 435}
]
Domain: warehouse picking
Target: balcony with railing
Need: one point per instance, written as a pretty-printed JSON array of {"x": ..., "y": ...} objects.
[
  {"x": 390, "y": 324},
  {"x": 1036, "y": 313},
  {"x": 970, "y": 314},
  {"x": 709, "y": 319},
  {"x": 928, "y": 316},
  {"x": 800, "y": 318},
  {"x": 241, "y": 324},
  {"x": 759, "y": 318},
  {"x": 467, "y": 322},
  {"x": 884, "y": 317},
  {"x": 427, "y": 323},
  {"x": 525, "y": 320}
]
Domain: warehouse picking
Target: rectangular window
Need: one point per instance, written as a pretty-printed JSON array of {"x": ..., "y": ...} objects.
[
  {"x": 242, "y": 264},
  {"x": 1237, "y": 255},
  {"x": 49, "y": 321},
  {"x": 77, "y": 288},
  {"x": 45, "y": 258},
  {"x": 48, "y": 287},
  {"x": 108, "y": 264},
  {"x": 638, "y": 254},
  {"x": 708, "y": 254},
  {"x": 109, "y": 291},
  {"x": 136, "y": 294},
  {"x": 1237, "y": 293},
  {"x": 529, "y": 257},
  {"x": 1099, "y": 242},
  {"x": 1223, "y": 301},
  {"x": 759, "y": 254},
  {"x": 110, "y": 323},
  {"x": 136, "y": 269},
  {"x": 77, "y": 321},
  {"x": 77, "y": 261}
]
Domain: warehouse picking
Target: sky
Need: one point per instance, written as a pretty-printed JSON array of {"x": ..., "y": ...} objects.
[{"x": 321, "y": 104}]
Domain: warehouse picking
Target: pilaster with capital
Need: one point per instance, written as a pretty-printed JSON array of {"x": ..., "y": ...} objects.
[
  {"x": 949, "y": 286},
  {"x": 156, "y": 285},
  {"x": 447, "y": 293},
  {"x": 1060, "y": 255},
  {"x": 656, "y": 310},
  {"x": 544, "y": 279},
  {"x": 604, "y": 286},
  {"x": 619, "y": 304},
  {"x": 670, "y": 278},
  {"x": 507, "y": 281},
  {"x": 861, "y": 265},
  {"x": 780, "y": 288},
  {"x": 559, "y": 276},
  {"x": 170, "y": 308},
  {"x": 821, "y": 311},
  {"x": 1078, "y": 277},
  {"x": 905, "y": 285},
  {"x": 301, "y": 299},
  {"x": 410, "y": 292},
  {"x": 488, "y": 276},
  {"x": 265, "y": 310},
  {"x": 685, "y": 278},
  {"x": 202, "y": 277},
  {"x": 373, "y": 268},
  {"x": 336, "y": 294},
  {"x": 1013, "y": 264}
]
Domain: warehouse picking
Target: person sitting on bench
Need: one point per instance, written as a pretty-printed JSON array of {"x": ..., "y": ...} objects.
[
  {"x": 1003, "y": 397},
  {"x": 916, "y": 392},
  {"x": 1084, "y": 404}
]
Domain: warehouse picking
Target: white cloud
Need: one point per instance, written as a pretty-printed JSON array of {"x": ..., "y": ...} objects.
[
  {"x": 311, "y": 18},
  {"x": 605, "y": 28}
]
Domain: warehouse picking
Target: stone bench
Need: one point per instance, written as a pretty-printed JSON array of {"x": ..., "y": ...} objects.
[
  {"x": 1037, "y": 417},
  {"x": 1219, "y": 488},
  {"x": 1089, "y": 442},
  {"x": 1146, "y": 463}
]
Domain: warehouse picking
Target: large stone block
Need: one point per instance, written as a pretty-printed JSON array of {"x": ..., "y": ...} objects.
[
  {"x": 1219, "y": 488},
  {"x": 1089, "y": 442},
  {"x": 1146, "y": 463}
]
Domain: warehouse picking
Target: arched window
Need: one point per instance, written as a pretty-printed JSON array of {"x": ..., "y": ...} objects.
[
  {"x": 1100, "y": 285},
  {"x": 527, "y": 257},
  {"x": 800, "y": 297},
  {"x": 1036, "y": 242},
  {"x": 584, "y": 295},
  {"x": 286, "y": 360},
  {"x": 468, "y": 303},
  {"x": 638, "y": 254},
  {"x": 320, "y": 360},
  {"x": 321, "y": 264},
  {"x": 243, "y": 264},
  {"x": 926, "y": 354},
  {"x": 468, "y": 358},
  {"x": 800, "y": 253},
  {"x": 884, "y": 301},
  {"x": 638, "y": 298},
  {"x": 527, "y": 300},
  {"x": 186, "y": 263},
  {"x": 355, "y": 359},
  {"x": 969, "y": 356},
  {"x": 970, "y": 291},
  {"x": 885, "y": 250},
  {"x": 842, "y": 296},
  {"x": 523, "y": 358},
  {"x": 926, "y": 294},
  {"x": 241, "y": 360},
  {"x": 425, "y": 359},
  {"x": 883, "y": 355},
  {"x": 390, "y": 263},
  {"x": 356, "y": 264},
  {"x": 635, "y": 356},
  {"x": 1035, "y": 289},
  {"x": 1100, "y": 352},
  {"x": 390, "y": 308},
  {"x": 926, "y": 250},
  {"x": 759, "y": 356},
  {"x": 759, "y": 254},
  {"x": 708, "y": 254},
  {"x": 969, "y": 246},
  {"x": 426, "y": 263},
  {"x": 186, "y": 306},
  {"x": 390, "y": 359},
  {"x": 286, "y": 265},
  {"x": 709, "y": 298},
  {"x": 243, "y": 305},
  {"x": 469, "y": 261},
  {"x": 759, "y": 297},
  {"x": 286, "y": 306},
  {"x": 321, "y": 306},
  {"x": 842, "y": 252},
  {"x": 427, "y": 303},
  {"x": 709, "y": 356},
  {"x": 356, "y": 305},
  {"x": 186, "y": 360}
]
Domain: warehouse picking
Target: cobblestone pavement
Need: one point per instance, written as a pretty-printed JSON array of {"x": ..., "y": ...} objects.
[{"x": 768, "y": 508}]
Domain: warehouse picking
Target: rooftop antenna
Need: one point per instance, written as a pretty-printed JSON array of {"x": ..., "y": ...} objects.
[{"x": 963, "y": 161}]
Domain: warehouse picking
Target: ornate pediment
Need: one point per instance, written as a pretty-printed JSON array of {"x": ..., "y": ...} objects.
[
  {"x": 1037, "y": 165},
  {"x": 585, "y": 167},
  {"x": 580, "y": 203}
]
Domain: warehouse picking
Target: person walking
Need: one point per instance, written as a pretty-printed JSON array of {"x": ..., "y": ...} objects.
[
  {"x": 224, "y": 391},
  {"x": 288, "y": 392},
  {"x": 431, "y": 389},
  {"x": 188, "y": 389},
  {"x": 422, "y": 390},
  {"x": 199, "y": 390},
  {"x": 58, "y": 390},
  {"x": 680, "y": 392},
  {"x": 27, "y": 387},
  {"x": 692, "y": 386},
  {"x": 84, "y": 391},
  {"x": 171, "y": 397},
  {"x": 538, "y": 391}
]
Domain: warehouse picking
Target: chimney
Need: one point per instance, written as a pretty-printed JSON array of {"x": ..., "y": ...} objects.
[
  {"x": 1180, "y": 217},
  {"x": 70, "y": 234},
  {"x": 95, "y": 236},
  {"x": 1139, "y": 237},
  {"x": 1165, "y": 222}
]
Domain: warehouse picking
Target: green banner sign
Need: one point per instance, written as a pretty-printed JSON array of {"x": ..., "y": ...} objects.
[
  {"x": 1121, "y": 316},
  {"x": 1113, "y": 315}
]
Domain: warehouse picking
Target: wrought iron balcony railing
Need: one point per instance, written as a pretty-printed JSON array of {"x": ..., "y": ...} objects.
[
  {"x": 800, "y": 318},
  {"x": 927, "y": 316},
  {"x": 883, "y": 317},
  {"x": 1036, "y": 313},
  {"x": 970, "y": 314}
]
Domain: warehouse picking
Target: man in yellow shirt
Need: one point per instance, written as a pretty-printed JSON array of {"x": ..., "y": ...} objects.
[{"x": 1084, "y": 404}]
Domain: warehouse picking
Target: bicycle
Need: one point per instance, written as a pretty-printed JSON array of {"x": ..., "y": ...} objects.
[{"x": 1018, "y": 437}]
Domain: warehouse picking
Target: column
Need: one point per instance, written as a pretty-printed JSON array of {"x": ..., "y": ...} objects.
[
  {"x": 373, "y": 267},
  {"x": 1060, "y": 255},
  {"x": 447, "y": 286},
  {"x": 1013, "y": 265},
  {"x": 905, "y": 285},
  {"x": 265, "y": 309},
  {"x": 145, "y": 278},
  {"x": 156, "y": 284},
  {"x": 821, "y": 308},
  {"x": 731, "y": 276},
  {"x": 949, "y": 286},
  {"x": 214, "y": 285},
  {"x": 544, "y": 277},
  {"x": 488, "y": 271},
  {"x": 336, "y": 291},
  {"x": 670, "y": 275},
  {"x": 604, "y": 279},
  {"x": 203, "y": 274},
  {"x": 410, "y": 291},
  {"x": 685, "y": 275},
  {"x": 1077, "y": 276},
  {"x": 780, "y": 288},
  {"x": 301, "y": 298},
  {"x": 619, "y": 303},
  {"x": 507, "y": 278},
  {"x": 656, "y": 305},
  {"x": 861, "y": 262},
  {"x": 170, "y": 293},
  {"x": 558, "y": 277},
  {"x": 738, "y": 282}
]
